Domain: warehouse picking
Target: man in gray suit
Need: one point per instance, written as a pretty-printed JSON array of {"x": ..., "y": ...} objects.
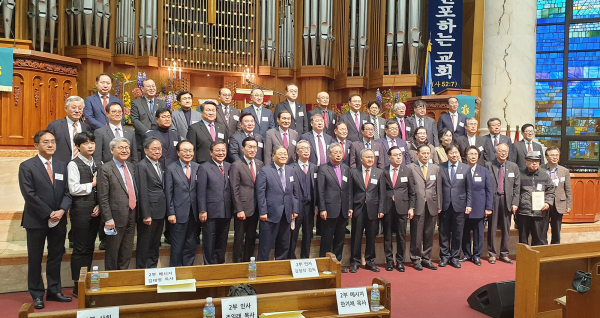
[
  {"x": 235, "y": 141},
  {"x": 520, "y": 149},
  {"x": 299, "y": 120},
  {"x": 66, "y": 128},
  {"x": 471, "y": 139},
  {"x": 143, "y": 110},
  {"x": 374, "y": 107},
  {"x": 184, "y": 117},
  {"x": 117, "y": 198},
  {"x": 428, "y": 185},
  {"x": 227, "y": 114},
  {"x": 494, "y": 138},
  {"x": 318, "y": 140},
  {"x": 283, "y": 135},
  {"x": 420, "y": 119},
  {"x": 563, "y": 197},
  {"x": 114, "y": 129},
  {"x": 506, "y": 182},
  {"x": 367, "y": 142}
]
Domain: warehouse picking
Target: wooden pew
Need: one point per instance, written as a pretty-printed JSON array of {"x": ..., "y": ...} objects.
[
  {"x": 583, "y": 305},
  {"x": 317, "y": 303},
  {"x": 544, "y": 273},
  {"x": 128, "y": 287}
]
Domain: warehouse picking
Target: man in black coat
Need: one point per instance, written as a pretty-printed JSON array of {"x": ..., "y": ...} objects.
[
  {"x": 204, "y": 132},
  {"x": 330, "y": 115},
  {"x": 296, "y": 109},
  {"x": 65, "y": 129},
  {"x": 143, "y": 111},
  {"x": 168, "y": 137},
  {"x": 354, "y": 118}
]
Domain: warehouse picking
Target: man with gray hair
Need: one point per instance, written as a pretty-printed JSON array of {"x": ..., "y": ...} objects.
[
  {"x": 406, "y": 129},
  {"x": 330, "y": 115},
  {"x": 114, "y": 129},
  {"x": 143, "y": 111},
  {"x": 65, "y": 129},
  {"x": 471, "y": 139}
]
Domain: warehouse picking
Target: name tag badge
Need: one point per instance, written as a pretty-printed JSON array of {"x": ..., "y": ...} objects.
[
  {"x": 402, "y": 149},
  {"x": 300, "y": 114},
  {"x": 382, "y": 126},
  {"x": 374, "y": 181},
  {"x": 58, "y": 176},
  {"x": 334, "y": 121},
  {"x": 537, "y": 153},
  {"x": 291, "y": 178},
  {"x": 461, "y": 124},
  {"x": 539, "y": 187},
  {"x": 364, "y": 121},
  {"x": 220, "y": 135},
  {"x": 293, "y": 142},
  {"x": 344, "y": 179},
  {"x": 236, "y": 117},
  {"x": 562, "y": 179},
  {"x": 459, "y": 176},
  {"x": 477, "y": 179},
  {"x": 432, "y": 177},
  {"x": 430, "y": 160},
  {"x": 407, "y": 128},
  {"x": 376, "y": 153},
  {"x": 403, "y": 179},
  {"x": 315, "y": 175},
  {"x": 511, "y": 175},
  {"x": 555, "y": 181},
  {"x": 193, "y": 122},
  {"x": 265, "y": 119},
  {"x": 175, "y": 143},
  {"x": 260, "y": 145},
  {"x": 480, "y": 148}
]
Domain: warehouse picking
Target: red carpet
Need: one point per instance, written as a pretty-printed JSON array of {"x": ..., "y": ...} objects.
[{"x": 441, "y": 293}]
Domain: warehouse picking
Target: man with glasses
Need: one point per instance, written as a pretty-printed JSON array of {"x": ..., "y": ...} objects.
[
  {"x": 263, "y": 117},
  {"x": 143, "y": 111},
  {"x": 494, "y": 138},
  {"x": 184, "y": 117},
  {"x": 227, "y": 114},
  {"x": 65, "y": 129},
  {"x": 471, "y": 139},
  {"x": 526, "y": 145},
  {"x": 420, "y": 119},
  {"x": 205, "y": 132},
  {"x": 282, "y": 135},
  {"x": 113, "y": 130},
  {"x": 168, "y": 138},
  {"x": 95, "y": 105},
  {"x": 391, "y": 139},
  {"x": 318, "y": 141},
  {"x": 330, "y": 115},
  {"x": 453, "y": 120},
  {"x": 297, "y": 110},
  {"x": 563, "y": 197},
  {"x": 405, "y": 127}
]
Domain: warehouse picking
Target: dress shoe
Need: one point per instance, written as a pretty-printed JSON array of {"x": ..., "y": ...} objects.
[
  {"x": 70, "y": 244},
  {"x": 372, "y": 268},
  {"x": 443, "y": 263},
  {"x": 506, "y": 260},
  {"x": 418, "y": 267},
  {"x": 102, "y": 246},
  {"x": 389, "y": 267},
  {"x": 58, "y": 297},
  {"x": 38, "y": 303},
  {"x": 476, "y": 261},
  {"x": 75, "y": 290},
  {"x": 454, "y": 263},
  {"x": 400, "y": 267},
  {"x": 347, "y": 231},
  {"x": 198, "y": 240},
  {"x": 430, "y": 266},
  {"x": 344, "y": 270},
  {"x": 492, "y": 260},
  {"x": 463, "y": 259},
  {"x": 167, "y": 240},
  {"x": 353, "y": 269}
]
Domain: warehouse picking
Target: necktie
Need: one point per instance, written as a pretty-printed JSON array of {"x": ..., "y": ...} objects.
[
  {"x": 226, "y": 111},
  {"x": 282, "y": 178},
  {"x": 258, "y": 111},
  {"x": 421, "y": 123},
  {"x": 158, "y": 171},
  {"x": 252, "y": 172},
  {"x": 393, "y": 143},
  {"x": 152, "y": 108},
  {"x": 212, "y": 131},
  {"x": 424, "y": 169},
  {"x": 529, "y": 147},
  {"x": 356, "y": 121},
  {"x": 326, "y": 119},
  {"x": 501, "y": 180},
  {"x": 130, "y": 189},
  {"x": 75, "y": 150},
  {"x": 285, "y": 140},
  {"x": 222, "y": 171},
  {"x": 304, "y": 168},
  {"x": 338, "y": 173},
  {"x": 394, "y": 179},
  {"x": 49, "y": 170},
  {"x": 375, "y": 124},
  {"x": 495, "y": 142},
  {"x": 322, "y": 158},
  {"x": 188, "y": 172},
  {"x": 343, "y": 150},
  {"x": 453, "y": 121},
  {"x": 402, "y": 129},
  {"x": 453, "y": 172},
  {"x": 368, "y": 145},
  {"x": 117, "y": 132},
  {"x": 367, "y": 178},
  {"x": 104, "y": 103}
]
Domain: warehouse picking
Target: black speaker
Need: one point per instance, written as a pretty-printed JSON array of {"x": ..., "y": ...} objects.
[{"x": 495, "y": 300}]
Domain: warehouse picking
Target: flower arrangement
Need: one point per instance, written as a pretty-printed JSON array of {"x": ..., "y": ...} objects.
[{"x": 387, "y": 100}]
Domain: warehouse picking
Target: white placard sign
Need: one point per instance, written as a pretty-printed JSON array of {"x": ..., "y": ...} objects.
[
  {"x": 304, "y": 268},
  {"x": 106, "y": 312},
  {"x": 155, "y": 276},
  {"x": 239, "y": 307},
  {"x": 352, "y": 300}
]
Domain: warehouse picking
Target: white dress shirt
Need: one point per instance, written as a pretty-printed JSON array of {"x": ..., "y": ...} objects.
[
  {"x": 292, "y": 107},
  {"x": 71, "y": 129},
  {"x": 113, "y": 128},
  {"x": 74, "y": 177},
  {"x": 315, "y": 134}
]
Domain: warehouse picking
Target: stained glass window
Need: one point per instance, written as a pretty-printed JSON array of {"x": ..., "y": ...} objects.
[
  {"x": 584, "y": 36},
  {"x": 584, "y": 150},
  {"x": 585, "y": 9},
  {"x": 550, "y": 142},
  {"x": 550, "y": 11},
  {"x": 583, "y": 65},
  {"x": 548, "y": 108},
  {"x": 583, "y": 108},
  {"x": 550, "y": 38},
  {"x": 549, "y": 65}
]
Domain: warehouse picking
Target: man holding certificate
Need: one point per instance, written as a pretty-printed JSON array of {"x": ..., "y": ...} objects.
[{"x": 537, "y": 194}]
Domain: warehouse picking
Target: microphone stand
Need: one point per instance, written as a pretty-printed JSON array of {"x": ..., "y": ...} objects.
[{"x": 260, "y": 86}]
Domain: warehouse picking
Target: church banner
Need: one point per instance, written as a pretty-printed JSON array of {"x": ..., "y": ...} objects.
[
  {"x": 6, "y": 69},
  {"x": 466, "y": 105},
  {"x": 445, "y": 27}
]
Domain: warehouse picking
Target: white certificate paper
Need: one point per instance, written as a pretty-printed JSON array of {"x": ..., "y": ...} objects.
[{"x": 537, "y": 198}]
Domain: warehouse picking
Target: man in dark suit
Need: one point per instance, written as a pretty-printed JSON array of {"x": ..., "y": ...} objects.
[
  {"x": 420, "y": 119},
  {"x": 482, "y": 203},
  {"x": 149, "y": 176},
  {"x": 456, "y": 202},
  {"x": 95, "y": 105},
  {"x": 204, "y": 132},
  {"x": 374, "y": 107},
  {"x": 520, "y": 149},
  {"x": 227, "y": 114},
  {"x": 368, "y": 206},
  {"x": 215, "y": 204},
  {"x": 563, "y": 197},
  {"x": 242, "y": 176},
  {"x": 318, "y": 141},
  {"x": 471, "y": 139},
  {"x": 168, "y": 138},
  {"x": 341, "y": 135},
  {"x": 277, "y": 195},
  {"x": 114, "y": 129},
  {"x": 453, "y": 120},
  {"x": 42, "y": 180},
  {"x": 506, "y": 182},
  {"x": 332, "y": 117},
  {"x": 282, "y": 135},
  {"x": 263, "y": 118},
  {"x": 335, "y": 202},
  {"x": 354, "y": 118},
  {"x": 235, "y": 141},
  {"x": 428, "y": 205},
  {"x": 182, "y": 207},
  {"x": 494, "y": 138},
  {"x": 117, "y": 198},
  {"x": 143, "y": 116},
  {"x": 400, "y": 200},
  {"x": 367, "y": 142},
  {"x": 297, "y": 110},
  {"x": 307, "y": 178},
  {"x": 184, "y": 117},
  {"x": 405, "y": 129},
  {"x": 65, "y": 129},
  {"x": 391, "y": 139}
]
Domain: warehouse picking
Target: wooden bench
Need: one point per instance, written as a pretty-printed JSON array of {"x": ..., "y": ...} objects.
[
  {"x": 544, "y": 273},
  {"x": 317, "y": 303},
  {"x": 128, "y": 287},
  {"x": 576, "y": 305}
]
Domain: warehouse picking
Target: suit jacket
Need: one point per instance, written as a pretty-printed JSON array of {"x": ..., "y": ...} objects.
[
  {"x": 105, "y": 135},
  {"x": 242, "y": 186},
  {"x": 231, "y": 125},
  {"x": 446, "y": 122},
  {"x": 519, "y": 151},
  {"x": 400, "y": 144},
  {"x": 200, "y": 137},
  {"x": 563, "y": 197},
  {"x": 181, "y": 192},
  {"x": 261, "y": 124},
  {"x": 403, "y": 195},
  {"x": 490, "y": 150},
  {"x": 333, "y": 198},
  {"x": 169, "y": 150},
  {"x": 458, "y": 191},
  {"x": 429, "y": 124},
  {"x": 272, "y": 199},
  {"x": 379, "y": 125},
  {"x": 347, "y": 148},
  {"x": 214, "y": 190},
  {"x": 274, "y": 139},
  {"x": 428, "y": 191},
  {"x": 372, "y": 196},
  {"x": 300, "y": 122},
  {"x": 314, "y": 148},
  {"x": 60, "y": 128},
  {"x": 41, "y": 196},
  {"x": 512, "y": 181},
  {"x": 113, "y": 197},
  {"x": 141, "y": 118},
  {"x": 358, "y": 146},
  {"x": 332, "y": 119},
  {"x": 353, "y": 133},
  {"x": 463, "y": 143},
  {"x": 152, "y": 200},
  {"x": 481, "y": 192},
  {"x": 95, "y": 114},
  {"x": 179, "y": 122},
  {"x": 408, "y": 129},
  {"x": 308, "y": 190},
  {"x": 235, "y": 146},
  {"x": 433, "y": 158}
]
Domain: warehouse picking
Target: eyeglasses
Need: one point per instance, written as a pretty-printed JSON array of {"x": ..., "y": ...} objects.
[
  {"x": 502, "y": 151},
  {"x": 154, "y": 149},
  {"x": 116, "y": 112},
  {"x": 165, "y": 117},
  {"x": 186, "y": 152},
  {"x": 293, "y": 91},
  {"x": 303, "y": 148},
  {"x": 226, "y": 95},
  {"x": 48, "y": 142},
  {"x": 123, "y": 148}
]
